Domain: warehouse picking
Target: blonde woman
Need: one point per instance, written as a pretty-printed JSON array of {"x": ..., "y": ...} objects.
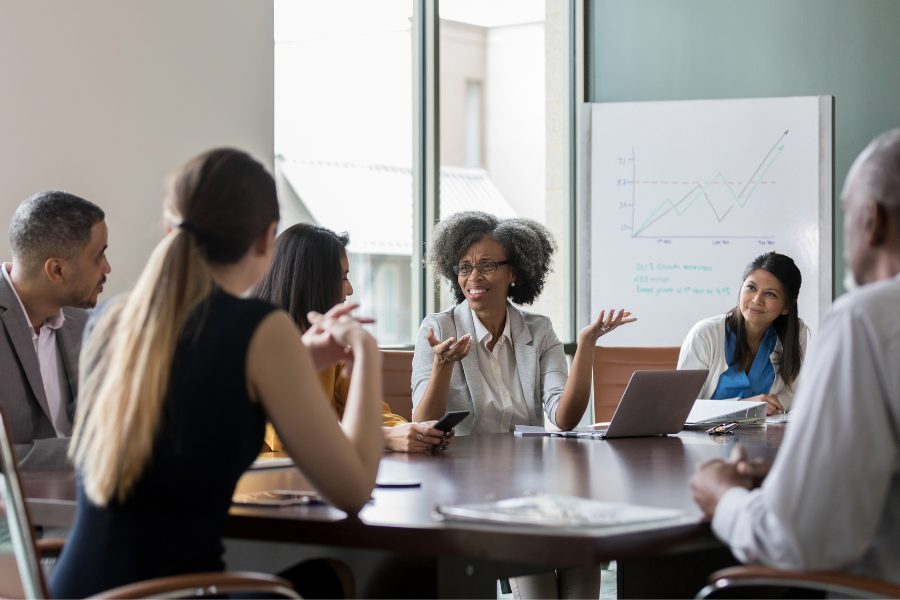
[{"x": 179, "y": 376}]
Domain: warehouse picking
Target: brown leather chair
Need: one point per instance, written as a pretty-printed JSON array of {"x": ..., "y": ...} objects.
[
  {"x": 21, "y": 575},
  {"x": 396, "y": 368},
  {"x": 741, "y": 582},
  {"x": 613, "y": 368}
]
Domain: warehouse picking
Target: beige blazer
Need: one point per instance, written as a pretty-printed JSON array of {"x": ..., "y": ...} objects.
[{"x": 540, "y": 363}]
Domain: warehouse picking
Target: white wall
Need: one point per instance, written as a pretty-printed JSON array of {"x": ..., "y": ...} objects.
[{"x": 104, "y": 98}]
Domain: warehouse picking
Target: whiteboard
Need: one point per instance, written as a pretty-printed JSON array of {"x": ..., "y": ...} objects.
[{"x": 681, "y": 196}]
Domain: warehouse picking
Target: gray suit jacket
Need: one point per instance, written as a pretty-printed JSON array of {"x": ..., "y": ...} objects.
[
  {"x": 540, "y": 362},
  {"x": 22, "y": 397}
]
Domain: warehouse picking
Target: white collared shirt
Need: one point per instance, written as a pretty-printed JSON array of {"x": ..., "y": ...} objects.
[
  {"x": 504, "y": 404},
  {"x": 832, "y": 498},
  {"x": 53, "y": 373}
]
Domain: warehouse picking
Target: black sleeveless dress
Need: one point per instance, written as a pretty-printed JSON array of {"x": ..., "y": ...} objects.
[{"x": 210, "y": 432}]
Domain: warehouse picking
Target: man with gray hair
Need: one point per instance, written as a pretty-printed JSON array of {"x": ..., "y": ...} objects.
[
  {"x": 832, "y": 498},
  {"x": 58, "y": 269}
]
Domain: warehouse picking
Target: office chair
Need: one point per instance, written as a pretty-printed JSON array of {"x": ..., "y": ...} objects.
[
  {"x": 21, "y": 575},
  {"x": 396, "y": 369},
  {"x": 750, "y": 580},
  {"x": 613, "y": 368}
]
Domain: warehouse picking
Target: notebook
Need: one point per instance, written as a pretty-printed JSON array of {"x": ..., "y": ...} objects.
[
  {"x": 552, "y": 510},
  {"x": 654, "y": 403}
]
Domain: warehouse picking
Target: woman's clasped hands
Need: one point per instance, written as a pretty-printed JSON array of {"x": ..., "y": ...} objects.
[{"x": 331, "y": 337}]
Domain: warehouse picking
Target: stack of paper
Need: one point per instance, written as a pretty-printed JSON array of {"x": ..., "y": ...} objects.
[
  {"x": 579, "y": 432},
  {"x": 551, "y": 510},
  {"x": 709, "y": 412}
]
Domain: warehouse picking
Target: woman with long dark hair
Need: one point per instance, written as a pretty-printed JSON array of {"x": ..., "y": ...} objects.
[
  {"x": 310, "y": 272},
  {"x": 754, "y": 351},
  {"x": 179, "y": 376}
]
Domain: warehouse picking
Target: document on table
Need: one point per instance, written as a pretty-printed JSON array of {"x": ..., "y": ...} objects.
[
  {"x": 778, "y": 419},
  {"x": 552, "y": 510},
  {"x": 268, "y": 460},
  {"x": 710, "y": 412},
  {"x": 537, "y": 430}
]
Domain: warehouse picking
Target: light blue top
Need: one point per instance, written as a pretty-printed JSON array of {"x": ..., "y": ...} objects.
[{"x": 734, "y": 382}]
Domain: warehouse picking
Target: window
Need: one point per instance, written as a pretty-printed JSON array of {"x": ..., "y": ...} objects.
[{"x": 345, "y": 131}]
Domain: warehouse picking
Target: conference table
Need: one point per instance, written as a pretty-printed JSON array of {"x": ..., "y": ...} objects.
[{"x": 399, "y": 546}]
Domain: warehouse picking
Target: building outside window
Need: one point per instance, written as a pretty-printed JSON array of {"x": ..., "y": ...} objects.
[{"x": 344, "y": 81}]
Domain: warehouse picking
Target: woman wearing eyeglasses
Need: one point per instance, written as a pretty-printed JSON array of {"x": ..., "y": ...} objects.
[
  {"x": 484, "y": 355},
  {"x": 503, "y": 365}
]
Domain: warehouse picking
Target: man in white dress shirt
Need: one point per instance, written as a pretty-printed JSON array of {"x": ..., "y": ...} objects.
[
  {"x": 58, "y": 269},
  {"x": 832, "y": 498}
]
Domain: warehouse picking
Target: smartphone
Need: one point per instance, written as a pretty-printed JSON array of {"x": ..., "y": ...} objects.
[{"x": 451, "y": 420}]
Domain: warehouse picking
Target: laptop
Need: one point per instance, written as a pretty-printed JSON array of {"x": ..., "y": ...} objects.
[{"x": 654, "y": 403}]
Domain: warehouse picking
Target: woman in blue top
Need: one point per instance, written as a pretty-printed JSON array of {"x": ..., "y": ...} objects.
[{"x": 754, "y": 351}]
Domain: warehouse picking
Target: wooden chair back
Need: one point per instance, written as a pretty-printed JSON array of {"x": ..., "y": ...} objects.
[
  {"x": 613, "y": 368},
  {"x": 396, "y": 366},
  {"x": 757, "y": 581}
]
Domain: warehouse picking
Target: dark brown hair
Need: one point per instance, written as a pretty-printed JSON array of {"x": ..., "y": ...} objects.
[
  {"x": 786, "y": 326},
  {"x": 306, "y": 271}
]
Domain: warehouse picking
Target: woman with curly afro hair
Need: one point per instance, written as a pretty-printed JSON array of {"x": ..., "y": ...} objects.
[
  {"x": 502, "y": 364},
  {"x": 486, "y": 356}
]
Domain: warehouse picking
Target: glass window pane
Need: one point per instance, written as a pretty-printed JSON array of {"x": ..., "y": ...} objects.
[
  {"x": 503, "y": 114},
  {"x": 343, "y": 141}
]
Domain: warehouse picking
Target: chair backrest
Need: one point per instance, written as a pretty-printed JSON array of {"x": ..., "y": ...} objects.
[
  {"x": 20, "y": 570},
  {"x": 396, "y": 367},
  {"x": 757, "y": 581},
  {"x": 613, "y": 368}
]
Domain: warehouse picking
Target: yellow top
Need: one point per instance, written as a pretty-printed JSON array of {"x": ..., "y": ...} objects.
[{"x": 336, "y": 386}]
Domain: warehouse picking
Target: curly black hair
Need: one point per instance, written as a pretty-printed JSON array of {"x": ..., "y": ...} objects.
[{"x": 529, "y": 248}]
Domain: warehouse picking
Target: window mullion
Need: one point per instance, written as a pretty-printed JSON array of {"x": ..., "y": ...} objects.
[{"x": 426, "y": 158}]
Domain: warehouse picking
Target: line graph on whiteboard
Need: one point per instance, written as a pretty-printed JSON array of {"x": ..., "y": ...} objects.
[
  {"x": 720, "y": 204},
  {"x": 680, "y": 195}
]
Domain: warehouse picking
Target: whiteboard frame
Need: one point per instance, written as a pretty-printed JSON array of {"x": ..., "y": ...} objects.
[{"x": 825, "y": 291}]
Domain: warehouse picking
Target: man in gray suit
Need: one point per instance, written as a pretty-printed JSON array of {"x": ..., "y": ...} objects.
[{"x": 57, "y": 271}]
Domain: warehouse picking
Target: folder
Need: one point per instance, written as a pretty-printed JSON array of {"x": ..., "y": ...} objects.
[
  {"x": 711, "y": 412},
  {"x": 553, "y": 510}
]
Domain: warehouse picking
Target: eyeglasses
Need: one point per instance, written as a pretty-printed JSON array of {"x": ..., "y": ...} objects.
[
  {"x": 466, "y": 269},
  {"x": 723, "y": 428}
]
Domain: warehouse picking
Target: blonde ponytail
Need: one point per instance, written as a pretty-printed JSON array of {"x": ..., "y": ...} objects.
[
  {"x": 224, "y": 200},
  {"x": 126, "y": 366}
]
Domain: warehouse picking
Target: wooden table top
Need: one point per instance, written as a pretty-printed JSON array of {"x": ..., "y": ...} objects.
[{"x": 647, "y": 471}]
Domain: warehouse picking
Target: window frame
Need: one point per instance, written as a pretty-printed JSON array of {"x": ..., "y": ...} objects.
[{"x": 426, "y": 158}]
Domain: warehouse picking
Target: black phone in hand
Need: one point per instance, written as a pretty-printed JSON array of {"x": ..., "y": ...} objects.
[{"x": 451, "y": 420}]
